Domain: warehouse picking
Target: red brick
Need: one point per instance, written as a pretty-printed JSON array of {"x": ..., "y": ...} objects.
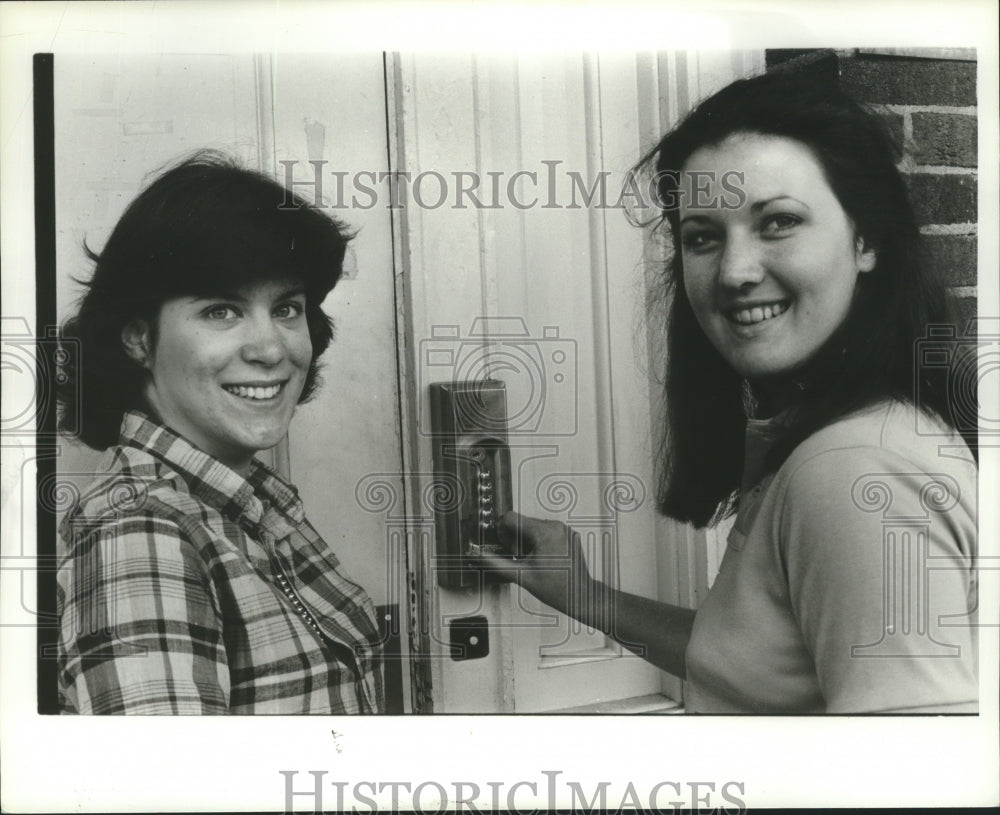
[
  {"x": 943, "y": 199},
  {"x": 907, "y": 81},
  {"x": 944, "y": 138},
  {"x": 953, "y": 257},
  {"x": 964, "y": 309}
]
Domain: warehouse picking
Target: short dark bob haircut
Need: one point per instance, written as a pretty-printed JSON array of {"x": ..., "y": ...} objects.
[
  {"x": 870, "y": 358},
  {"x": 203, "y": 227}
]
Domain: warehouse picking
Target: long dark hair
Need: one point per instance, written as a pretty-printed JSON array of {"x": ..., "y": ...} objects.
[
  {"x": 871, "y": 357},
  {"x": 204, "y": 226}
]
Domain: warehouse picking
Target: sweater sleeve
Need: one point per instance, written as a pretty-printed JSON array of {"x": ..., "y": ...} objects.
[
  {"x": 139, "y": 630},
  {"x": 879, "y": 560}
]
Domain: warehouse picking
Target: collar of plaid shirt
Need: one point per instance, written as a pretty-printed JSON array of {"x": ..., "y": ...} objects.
[
  {"x": 330, "y": 634},
  {"x": 263, "y": 503}
]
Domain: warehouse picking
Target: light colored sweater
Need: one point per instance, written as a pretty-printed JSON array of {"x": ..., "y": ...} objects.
[{"x": 848, "y": 583}]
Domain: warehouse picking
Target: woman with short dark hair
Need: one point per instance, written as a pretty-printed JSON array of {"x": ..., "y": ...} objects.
[
  {"x": 798, "y": 300},
  {"x": 189, "y": 579}
]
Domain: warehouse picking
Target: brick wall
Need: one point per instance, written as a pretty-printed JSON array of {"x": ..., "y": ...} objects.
[{"x": 928, "y": 96}]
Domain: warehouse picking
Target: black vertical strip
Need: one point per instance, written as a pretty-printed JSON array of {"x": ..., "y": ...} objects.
[
  {"x": 45, "y": 323},
  {"x": 388, "y": 621}
]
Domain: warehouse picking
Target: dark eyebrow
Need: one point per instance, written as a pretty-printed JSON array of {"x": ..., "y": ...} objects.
[
  {"x": 695, "y": 218},
  {"x": 215, "y": 295},
  {"x": 293, "y": 291},
  {"x": 757, "y": 206}
]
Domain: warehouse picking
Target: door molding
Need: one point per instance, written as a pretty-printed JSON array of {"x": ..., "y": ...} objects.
[{"x": 418, "y": 538}]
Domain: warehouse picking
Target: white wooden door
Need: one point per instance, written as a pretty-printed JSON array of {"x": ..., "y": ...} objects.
[{"x": 536, "y": 288}]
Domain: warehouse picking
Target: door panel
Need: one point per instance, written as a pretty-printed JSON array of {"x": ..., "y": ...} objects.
[
  {"x": 350, "y": 430},
  {"x": 534, "y": 300}
]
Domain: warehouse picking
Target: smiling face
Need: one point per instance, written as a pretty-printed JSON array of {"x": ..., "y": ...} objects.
[
  {"x": 772, "y": 279},
  {"x": 226, "y": 372}
]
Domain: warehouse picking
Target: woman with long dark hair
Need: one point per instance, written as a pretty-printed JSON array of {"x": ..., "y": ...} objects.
[
  {"x": 189, "y": 579},
  {"x": 795, "y": 399}
]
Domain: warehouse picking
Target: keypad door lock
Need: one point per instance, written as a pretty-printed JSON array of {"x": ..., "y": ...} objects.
[{"x": 472, "y": 473}]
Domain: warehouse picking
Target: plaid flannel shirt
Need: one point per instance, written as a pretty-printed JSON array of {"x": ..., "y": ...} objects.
[{"x": 185, "y": 588}]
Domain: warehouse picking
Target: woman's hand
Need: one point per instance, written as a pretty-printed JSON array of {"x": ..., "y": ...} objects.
[
  {"x": 552, "y": 566},
  {"x": 548, "y": 561}
]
